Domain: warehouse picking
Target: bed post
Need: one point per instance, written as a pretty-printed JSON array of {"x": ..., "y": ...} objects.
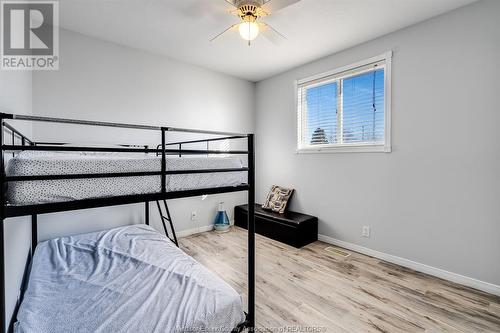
[
  {"x": 163, "y": 162},
  {"x": 2, "y": 272},
  {"x": 146, "y": 204},
  {"x": 251, "y": 233},
  {"x": 34, "y": 233},
  {"x": 2, "y": 230}
]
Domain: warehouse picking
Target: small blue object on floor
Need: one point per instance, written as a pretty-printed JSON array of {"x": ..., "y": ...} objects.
[{"x": 221, "y": 223}]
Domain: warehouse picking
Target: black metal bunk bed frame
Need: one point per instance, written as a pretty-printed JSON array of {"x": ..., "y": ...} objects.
[{"x": 7, "y": 211}]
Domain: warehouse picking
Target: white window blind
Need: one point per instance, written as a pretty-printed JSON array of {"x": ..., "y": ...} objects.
[{"x": 347, "y": 108}]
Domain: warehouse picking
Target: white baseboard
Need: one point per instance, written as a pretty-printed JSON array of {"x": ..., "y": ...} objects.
[
  {"x": 189, "y": 232},
  {"x": 440, "y": 273},
  {"x": 198, "y": 230}
]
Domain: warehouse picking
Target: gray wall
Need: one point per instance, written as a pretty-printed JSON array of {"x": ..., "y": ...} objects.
[
  {"x": 434, "y": 199},
  {"x": 15, "y": 97},
  {"x": 98, "y": 80}
]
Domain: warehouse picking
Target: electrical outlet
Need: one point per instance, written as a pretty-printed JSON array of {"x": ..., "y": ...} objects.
[
  {"x": 365, "y": 231},
  {"x": 194, "y": 216}
]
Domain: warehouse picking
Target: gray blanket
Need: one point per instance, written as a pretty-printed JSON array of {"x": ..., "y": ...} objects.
[{"x": 129, "y": 279}]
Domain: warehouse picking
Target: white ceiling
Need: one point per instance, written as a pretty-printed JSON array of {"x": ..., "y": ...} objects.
[{"x": 181, "y": 29}]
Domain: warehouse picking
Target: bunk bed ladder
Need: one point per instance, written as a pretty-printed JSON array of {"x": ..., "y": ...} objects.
[{"x": 167, "y": 218}]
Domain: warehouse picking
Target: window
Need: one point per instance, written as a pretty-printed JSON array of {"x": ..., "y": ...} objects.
[{"x": 346, "y": 109}]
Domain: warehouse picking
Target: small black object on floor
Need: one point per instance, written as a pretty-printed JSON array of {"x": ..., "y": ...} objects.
[{"x": 291, "y": 228}]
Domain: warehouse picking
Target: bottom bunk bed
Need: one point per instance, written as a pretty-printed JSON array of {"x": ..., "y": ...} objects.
[{"x": 128, "y": 279}]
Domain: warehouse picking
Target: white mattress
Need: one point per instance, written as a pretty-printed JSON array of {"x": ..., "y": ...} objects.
[
  {"x": 129, "y": 279},
  {"x": 45, "y": 163}
]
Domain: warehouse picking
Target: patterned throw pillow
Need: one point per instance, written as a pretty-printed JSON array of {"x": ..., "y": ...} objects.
[{"x": 277, "y": 199}]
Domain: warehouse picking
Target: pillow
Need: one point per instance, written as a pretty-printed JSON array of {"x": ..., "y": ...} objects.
[{"x": 277, "y": 199}]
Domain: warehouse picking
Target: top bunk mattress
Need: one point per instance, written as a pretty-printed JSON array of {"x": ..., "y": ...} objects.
[
  {"x": 129, "y": 279},
  {"x": 29, "y": 163}
]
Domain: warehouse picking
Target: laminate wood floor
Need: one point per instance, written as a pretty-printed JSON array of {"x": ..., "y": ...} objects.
[{"x": 312, "y": 289}]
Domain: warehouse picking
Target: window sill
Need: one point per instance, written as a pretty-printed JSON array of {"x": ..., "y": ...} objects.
[{"x": 345, "y": 149}]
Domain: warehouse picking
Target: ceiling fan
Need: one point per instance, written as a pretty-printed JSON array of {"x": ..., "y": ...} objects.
[{"x": 250, "y": 12}]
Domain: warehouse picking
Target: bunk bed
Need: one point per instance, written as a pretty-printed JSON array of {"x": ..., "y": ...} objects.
[{"x": 146, "y": 277}]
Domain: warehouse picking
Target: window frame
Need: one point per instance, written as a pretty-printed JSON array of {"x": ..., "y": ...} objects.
[{"x": 336, "y": 75}]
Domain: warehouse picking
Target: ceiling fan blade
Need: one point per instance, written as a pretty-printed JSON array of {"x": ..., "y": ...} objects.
[
  {"x": 272, "y": 6},
  {"x": 203, "y": 10},
  {"x": 231, "y": 2},
  {"x": 273, "y": 35},
  {"x": 228, "y": 29}
]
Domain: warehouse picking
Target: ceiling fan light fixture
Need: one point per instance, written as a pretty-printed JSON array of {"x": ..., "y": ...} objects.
[
  {"x": 250, "y": 12},
  {"x": 249, "y": 30}
]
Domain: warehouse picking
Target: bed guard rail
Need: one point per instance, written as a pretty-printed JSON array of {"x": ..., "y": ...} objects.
[{"x": 29, "y": 145}]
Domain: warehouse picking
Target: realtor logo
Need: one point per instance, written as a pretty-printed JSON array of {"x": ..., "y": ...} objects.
[{"x": 29, "y": 35}]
